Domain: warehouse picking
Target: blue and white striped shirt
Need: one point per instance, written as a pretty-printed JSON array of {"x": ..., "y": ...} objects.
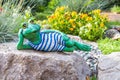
[{"x": 49, "y": 42}]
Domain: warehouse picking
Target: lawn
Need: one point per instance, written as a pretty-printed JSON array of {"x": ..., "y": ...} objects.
[{"x": 108, "y": 45}]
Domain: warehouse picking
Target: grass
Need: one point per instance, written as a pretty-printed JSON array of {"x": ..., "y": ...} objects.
[
  {"x": 111, "y": 24},
  {"x": 93, "y": 78},
  {"x": 114, "y": 23},
  {"x": 108, "y": 45}
]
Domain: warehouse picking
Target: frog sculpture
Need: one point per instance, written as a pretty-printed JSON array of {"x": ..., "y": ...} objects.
[{"x": 47, "y": 40}]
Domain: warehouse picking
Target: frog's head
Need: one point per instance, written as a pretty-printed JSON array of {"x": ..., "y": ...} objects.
[{"x": 30, "y": 31}]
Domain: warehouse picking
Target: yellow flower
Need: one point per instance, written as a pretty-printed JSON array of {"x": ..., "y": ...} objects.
[
  {"x": 56, "y": 14},
  {"x": 67, "y": 18},
  {"x": 74, "y": 13},
  {"x": 71, "y": 21},
  {"x": 79, "y": 24},
  {"x": 62, "y": 22},
  {"x": 89, "y": 19},
  {"x": 101, "y": 24},
  {"x": 52, "y": 16},
  {"x": 105, "y": 17},
  {"x": 67, "y": 15},
  {"x": 49, "y": 20},
  {"x": 97, "y": 11},
  {"x": 44, "y": 22},
  {"x": 71, "y": 29},
  {"x": 73, "y": 25},
  {"x": 59, "y": 9},
  {"x": 83, "y": 16},
  {"x": 62, "y": 8}
]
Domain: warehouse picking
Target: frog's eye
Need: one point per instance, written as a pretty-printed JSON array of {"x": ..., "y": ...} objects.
[
  {"x": 24, "y": 25},
  {"x": 31, "y": 20}
]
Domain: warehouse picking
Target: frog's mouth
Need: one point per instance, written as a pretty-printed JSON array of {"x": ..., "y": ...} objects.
[{"x": 34, "y": 31}]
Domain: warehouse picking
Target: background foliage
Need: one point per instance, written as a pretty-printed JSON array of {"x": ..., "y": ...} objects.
[
  {"x": 11, "y": 17},
  {"x": 88, "y": 26},
  {"x": 85, "y": 5},
  {"x": 115, "y": 9},
  {"x": 47, "y": 7}
]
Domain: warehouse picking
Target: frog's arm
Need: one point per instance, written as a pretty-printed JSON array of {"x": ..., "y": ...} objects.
[{"x": 20, "y": 44}]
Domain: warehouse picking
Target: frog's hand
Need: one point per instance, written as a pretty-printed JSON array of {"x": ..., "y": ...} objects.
[
  {"x": 22, "y": 47},
  {"x": 20, "y": 44}
]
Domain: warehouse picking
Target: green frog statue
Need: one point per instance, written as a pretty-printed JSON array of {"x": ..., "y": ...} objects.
[{"x": 47, "y": 40}]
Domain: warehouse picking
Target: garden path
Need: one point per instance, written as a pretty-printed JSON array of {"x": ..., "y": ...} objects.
[{"x": 112, "y": 16}]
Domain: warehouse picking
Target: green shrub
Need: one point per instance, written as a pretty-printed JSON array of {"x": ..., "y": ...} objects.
[
  {"x": 41, "y": 16},
  {"x": 115, "y": 9},
  {"x": 83, "y": 5},
  {"x": 39, "y": 5},
  {"x": 53, "y": 4},
  {"x": 73, "y": 5},
  {"x": 76, "y": 5},
  {"x": 88, "y": 26},
  {"x": 94, "y": 29},
  {"x": 108, "y": 45},
  {"x": 101, "y": 4}
]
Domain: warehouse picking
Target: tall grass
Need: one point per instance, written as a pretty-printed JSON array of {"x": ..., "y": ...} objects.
[{"x": 11, "y": 16}]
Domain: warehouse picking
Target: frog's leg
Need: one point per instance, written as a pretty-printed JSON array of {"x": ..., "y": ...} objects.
[
  {"x": 69, "y": 49},
  {"x": 82, "y": 46},
  {"x": 79, "y": 46}
]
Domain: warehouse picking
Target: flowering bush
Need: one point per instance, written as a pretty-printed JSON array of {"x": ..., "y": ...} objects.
[{"x": 87, "y": 25}]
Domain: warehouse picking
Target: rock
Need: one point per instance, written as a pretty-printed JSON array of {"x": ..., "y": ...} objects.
[
  {"x": 112, "y": 33},
  {"x": 90, "y": 57},
  {"x": 116, "y": 27},
  {"x": 109, "y": 67},
  {"x": 77, "y": 38},
  {"x": 36, "y": 65}
]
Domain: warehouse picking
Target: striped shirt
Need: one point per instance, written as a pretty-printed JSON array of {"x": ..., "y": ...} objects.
[{"x": 49, "y": 42}]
